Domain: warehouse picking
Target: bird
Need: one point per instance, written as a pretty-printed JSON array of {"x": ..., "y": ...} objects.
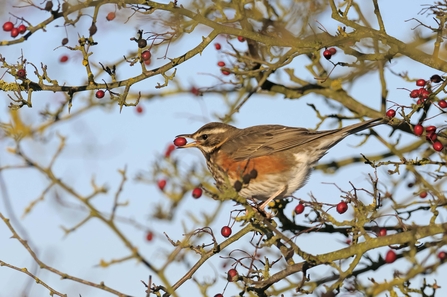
[{"x": 266, "y": 162}]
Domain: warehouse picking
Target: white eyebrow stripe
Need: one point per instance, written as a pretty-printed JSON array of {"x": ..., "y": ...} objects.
[{"x": 214, "y": 131}]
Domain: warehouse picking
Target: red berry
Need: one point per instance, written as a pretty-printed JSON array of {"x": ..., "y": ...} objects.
[
  {"x": 430, "y": 129},
  {"x": 161, "y": 184},
  {"x": 342, "y": 207},
  {"x": 110, "y": 16},
  {"x": 420, "y": 101},
  {"x": 414, "y": 93},
  {"x": 221, "y": 64},
  {"x": 241, "y": 39},
  {"x": 100, "y": 94},
  {"x": 423, "y": 93},
  {"x": 14, "y": 32},
  {"x": 436, "y": 78},
  {"x": 149, "y": 235},
  {"x": 327, "y": 54},
  {"x": 180, "y": 141},
  {"x": 390, "y": 257},
  {"x": 423, "y": 194},
  {"x": 420, "y": 82},
  {"x": 225, "y": 231},
  {"x": 418, "y": 130},
  {"x": 391, "y": 113},
  {"x": 232, "y": 275},
  {"x": 442, "y": 255},
  {"x": 218, "y": 295},
  {"x": 432, "y": 136},
  {"x": 382, "y": 232},
  {"x": 217, "y": 46},
  {"x": 442, "y": 103},
  {"x": 332, "y": 50},
  {"x": 22, "y": 29},
  {"x": 197, "y": 193},
  {"x": 8, "y": 26},
  {"x": 299, "y": 208},
  {"x": 225, "y": 72},
  {"x": 139, "y": 109},
  {"x": 438, "y": 146},
  {"x": 21, "y": 73},
  {"x": 63, "y": 59},
  {"x": 169, "y": 150},
  {"x": 146, "y": 55}
]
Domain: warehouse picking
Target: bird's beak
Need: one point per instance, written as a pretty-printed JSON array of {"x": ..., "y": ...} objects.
[{"x": 190, "y": 144}]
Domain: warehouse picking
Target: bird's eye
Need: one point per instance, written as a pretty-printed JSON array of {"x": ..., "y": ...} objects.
[{"x": 204, "y": 136}]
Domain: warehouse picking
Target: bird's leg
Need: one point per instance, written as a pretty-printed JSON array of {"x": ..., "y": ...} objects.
[{"x": 276, "y": 194}]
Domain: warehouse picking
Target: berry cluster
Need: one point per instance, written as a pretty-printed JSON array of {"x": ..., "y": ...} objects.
[
  {"x": 422, "y": 93},
  {"x": 430, "y": 135},
  {"x": 329, "y": 52},
  {"x": 15, "y": 31}
]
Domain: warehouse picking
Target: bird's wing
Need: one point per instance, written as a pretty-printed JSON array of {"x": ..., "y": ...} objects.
[{"x": 263, "y": 140}]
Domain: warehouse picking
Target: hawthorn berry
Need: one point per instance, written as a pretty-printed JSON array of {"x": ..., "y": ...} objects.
[
  {"x": 423, "y": 194},
  {"x": 161, "y": 184},
  {"x": 382, "y": 232},
  {"x": 149, "y": 235},
  {"x": 22, "y": 29},
  {"x": 232, "y": 275},
  {"x": 218, "y": 295},
  {"x": 139, "y": 109},
  {"x": 100, "y": 94},
  {"x": 63, "y": 59},
  {"x": 430, "y": 129},
  {"x": 14, "y": 32},
  {"x": 197, "y": 193},
  {"x": 442, "y": 103},
  {"x": 390, "y": 257},
  {"x": 414, "y": 93},
  {"x": 420, "y": 82},
  {"x": 64, "y": 41},
  {"x": 217, "y": 46},
  {"x": 110, "y": 16},
  {"x": 327, "y": 54},
  {"x": 8, "y": 26},
  {"x": 49, "y": 6},
  {"x": 146, "y": 55},
  {"x": 436, "y": 78},
  {"x": 21, "y": 73},
  {"x": 424, "y": 93},
  {"x": 332, "y": 50},
  {"x": 418, "y": 130},
  {"x": 180, "y": 141},
  {"x": 432, "y": 136},
  {"x": 438, "y": 146},
  {"x": 299, "y": 208},
  {"x": 241, "y": 39},
  {"x": 391, "y": 113},
  {"x": 442, "y": 255},
  {"x": 342, "y": 207},
  {"x": 225, "y": 72},
  {"x": 142, "y": 43},
  {"x": 221, "y": 63},
  {"x": 226, "y": 231},
  {"x": 169, "y": 150}
]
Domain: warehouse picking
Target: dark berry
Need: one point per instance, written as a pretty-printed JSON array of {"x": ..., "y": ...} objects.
[
  {"x": 390, "y": 257},
  {"x": 436, "y": 78},
  {"x": 64, "y": 41},
  {"x": 327, "y": 54},
  {"x": 100, "y": 94},
  {"x": 342, "y": 207},
  {"x": 93, "y": 29},
  {"x": 225, "y": 231},
  {"x": 161, "y": 184},
  {"x": 142, "y": 43},
  {"x": 418, "y": 130},
  {"x": 180, "y": 141},
  {"x": 420, "y": 82},
  {"x": 391, "y": 113},
  {"x": 218, "y": 295},
  {"x": 197, "y": 193},
  {"x": 299, "y": 208},
  {"x": 8, "y": 26},
  {"x": 195, "y": 91},
  {"x": 438, "y": 146},
  {"x": 49, "y": 6},
  {"x": 22, "y": 29},
  {"x": 146, "y": 55},
  {"x": 21, "y": 73}
]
